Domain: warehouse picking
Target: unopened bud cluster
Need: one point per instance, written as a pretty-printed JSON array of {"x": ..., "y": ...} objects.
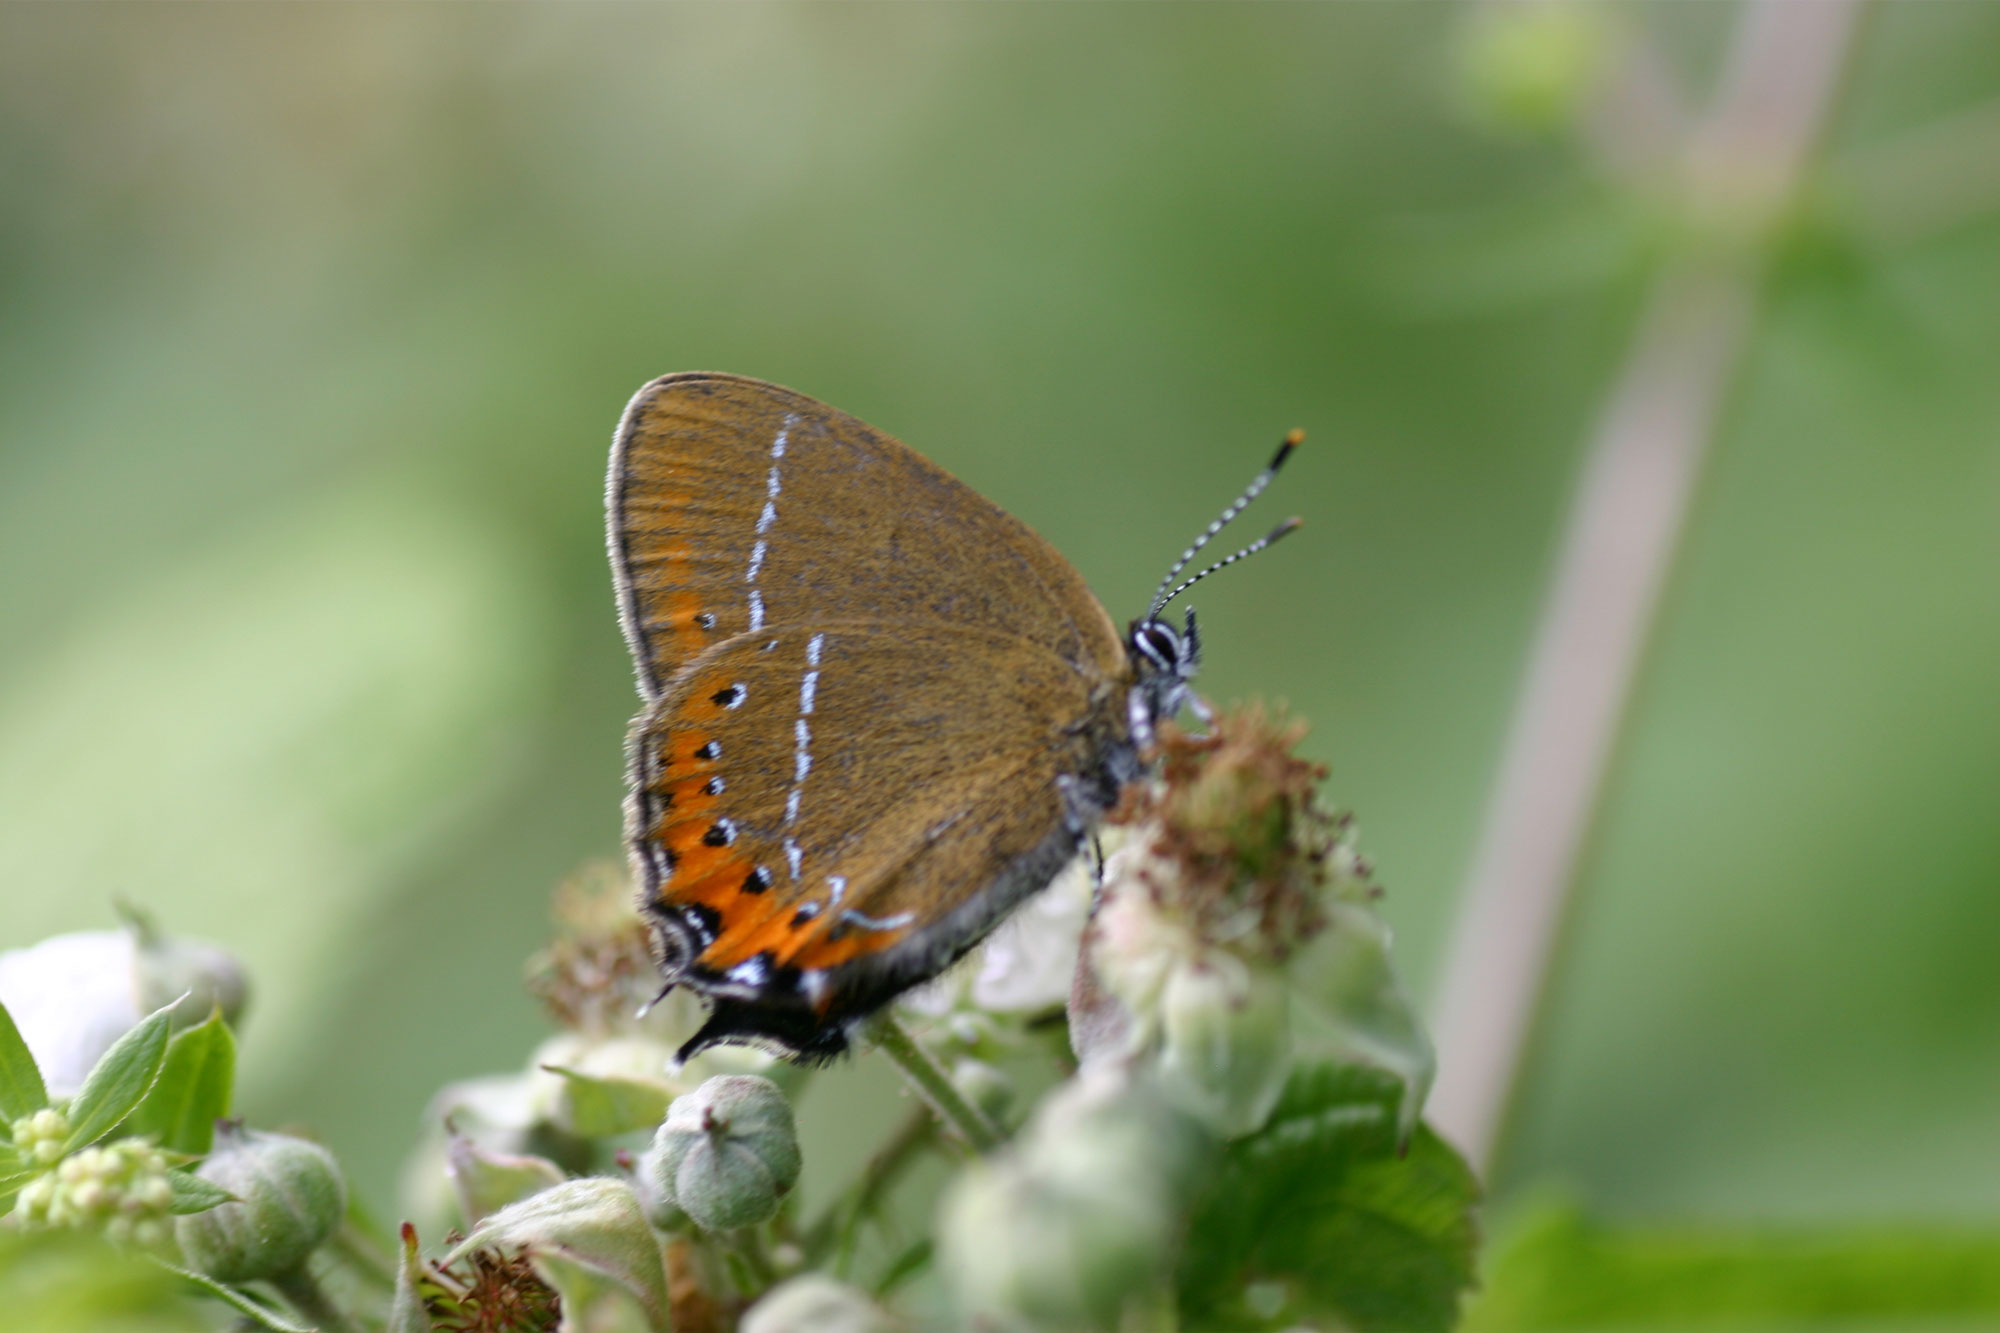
[
  {"x": 40, "y": 1135},
  {"x": 120, "y": 1189}
]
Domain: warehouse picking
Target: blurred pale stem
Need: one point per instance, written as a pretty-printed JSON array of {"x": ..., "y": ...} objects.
[{"x": 1742, "y": 162}]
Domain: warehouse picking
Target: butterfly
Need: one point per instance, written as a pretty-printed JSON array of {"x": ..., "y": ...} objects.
[{"x": 878, "y": 711}]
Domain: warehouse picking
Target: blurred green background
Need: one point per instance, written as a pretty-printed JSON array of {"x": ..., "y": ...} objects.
[{"x": 314, "y": 324}]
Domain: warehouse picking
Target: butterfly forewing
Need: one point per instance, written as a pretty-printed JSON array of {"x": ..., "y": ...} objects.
[{"x": 737, "y": 506}]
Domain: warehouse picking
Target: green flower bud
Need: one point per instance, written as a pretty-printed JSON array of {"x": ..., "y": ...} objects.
[
  {"x": 203, "y": 977},
  {"x": 1075, "y": 1218},
  {"x": 656, "y": 1202},
  {"x": 289, "y": 1200},
  {"x": 73, "y": 996},
  {"x": 726, "y": 1154},
  {"x": 812, "y": 1303},
  {"x": 1226, "y": 1044}
]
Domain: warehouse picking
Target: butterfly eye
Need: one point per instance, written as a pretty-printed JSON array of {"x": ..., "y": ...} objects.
[{"x": 1158, "y": 642}]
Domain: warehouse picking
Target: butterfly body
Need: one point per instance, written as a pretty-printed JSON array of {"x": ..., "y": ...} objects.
[{"x": 878, "y": 710}]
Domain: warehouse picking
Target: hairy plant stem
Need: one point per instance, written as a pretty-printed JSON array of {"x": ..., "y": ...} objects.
[
  {"x": 933, "y": 1085},
  {"x": 747, "y": 1248}
]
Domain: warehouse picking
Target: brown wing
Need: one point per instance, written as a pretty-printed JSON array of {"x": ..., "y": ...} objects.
[
  {"x": 827, "y": 813},
  {"x": 735, "y": 505}
]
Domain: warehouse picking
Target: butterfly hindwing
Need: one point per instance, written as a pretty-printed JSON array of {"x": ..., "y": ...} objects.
[{"x": 824, "y": 813}]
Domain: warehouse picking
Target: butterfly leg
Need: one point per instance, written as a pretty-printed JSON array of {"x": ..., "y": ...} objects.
[
  {"x": 647, "y": 1007},
  {"x": 1140, "y": 716},
  {"x": 1202, "y": 712}
]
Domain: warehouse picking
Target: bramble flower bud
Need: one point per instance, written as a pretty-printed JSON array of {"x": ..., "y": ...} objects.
[
  {"x": 203, "y": 977},
  {"x": 118, "y": 1189},
  {"x": 658, "y": 1206},
  {"x": 1075, "y": 1217},
  {"x": 812, "y": 1303},
  {"x": 290, "y": 1197},
  {"x": 73, "y": 996},
  {"x": 726, "y": 1154}
]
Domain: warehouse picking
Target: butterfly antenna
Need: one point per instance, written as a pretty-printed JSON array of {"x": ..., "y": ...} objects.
[
  {"x": 1256, "y": 488},
  {"x": 1290, "y": 525}
]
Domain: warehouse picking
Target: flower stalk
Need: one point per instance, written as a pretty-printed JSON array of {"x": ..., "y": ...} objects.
[{"x": 933, "y": 1084}]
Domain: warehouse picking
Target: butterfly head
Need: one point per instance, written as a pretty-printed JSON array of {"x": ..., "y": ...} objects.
[{"x": 1164, "y": 660}]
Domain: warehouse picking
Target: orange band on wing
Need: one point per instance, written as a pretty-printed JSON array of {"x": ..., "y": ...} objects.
[{"x": 808, "y": 945}]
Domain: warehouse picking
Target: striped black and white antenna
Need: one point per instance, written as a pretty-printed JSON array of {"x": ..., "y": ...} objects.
[{"x": 1168, "y": 591}]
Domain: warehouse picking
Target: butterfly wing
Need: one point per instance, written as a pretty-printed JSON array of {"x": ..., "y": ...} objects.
[
  {"x": 880, "y": 709},
  {"x": 735, "y": 505},
  {"x": 824, "y": 815}
]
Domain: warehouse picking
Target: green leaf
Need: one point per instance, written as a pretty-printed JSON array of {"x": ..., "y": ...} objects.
[
  {"x": 65, "y": 1281},
  {"x": 13, "y": 1175},
  {"x": 485, "y": 1182},
  {"x": 192, "y": 1194},
  {"x": 21, "y": 1090},
  {"x": 1555, "y": 1269},
  {"x": 591, "y": 1299},
  {"x": 407, "y": 1313},
  {"x": 193, "y": 1089},
  {"x": 595, "y": 1107},
  {"x": 240, "y": 1301},
  {"x": 119, "y": 1081},
  {"x": 1355, "y": 1011},
  {"x": 1316, "y": 1219}
]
